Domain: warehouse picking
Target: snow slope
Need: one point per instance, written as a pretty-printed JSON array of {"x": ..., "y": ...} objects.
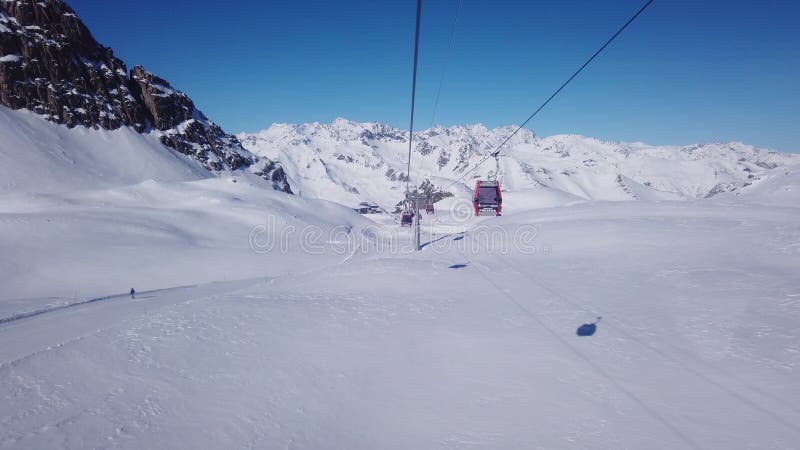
[
  {"x": 37, "y": 156},
  {"x": 154, "y": 235},
  {"x": 464, "y": 345},
  {"x": 349, "y": 162},
  {"x": 265, "y": 320},
  {"x": 87, "y": 212}
]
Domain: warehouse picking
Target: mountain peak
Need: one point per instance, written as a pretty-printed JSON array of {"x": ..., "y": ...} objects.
[
  {"x": 52, "y": 65},
  {"x": 350, "y": 162}
]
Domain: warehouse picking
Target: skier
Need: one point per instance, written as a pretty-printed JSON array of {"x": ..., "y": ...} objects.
[{"x": 133, "y": 293}]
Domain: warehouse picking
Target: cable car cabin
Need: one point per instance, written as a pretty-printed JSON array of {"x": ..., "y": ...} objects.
[
  {"x": 407, "y": 219},
  {"x": 429, "y": 208},
  {"x": 488, "y": 199}
]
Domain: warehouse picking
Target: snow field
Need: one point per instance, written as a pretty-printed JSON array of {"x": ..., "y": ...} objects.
[{"x": 245, "y": 335}]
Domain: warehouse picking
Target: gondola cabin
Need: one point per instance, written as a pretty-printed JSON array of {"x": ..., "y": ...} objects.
[
  {"x": 488, "y": 198},
  {"x": 429, "y": 208},
  {"x": 407, "y": 219}
]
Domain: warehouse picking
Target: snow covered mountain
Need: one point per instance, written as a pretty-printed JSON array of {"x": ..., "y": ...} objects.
[
  {"x": 87, "y": 210},
  {"x": 348, "y": 162},
  {"x": 51, "y": 65},
  {"x": 266, "y": 320}
]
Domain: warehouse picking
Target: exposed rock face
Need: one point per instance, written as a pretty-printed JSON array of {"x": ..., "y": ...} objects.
[
  {"x": 165, "y": 106},
  {"x": 274, "y": 172},
  {"x": 51, "y": 65},
  {"x": 184, "y": 127}
]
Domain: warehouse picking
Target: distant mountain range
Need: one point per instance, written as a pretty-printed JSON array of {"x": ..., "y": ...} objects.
[
  {"x": 349, "y": 162},
  {"x": 51, "y": 65}
]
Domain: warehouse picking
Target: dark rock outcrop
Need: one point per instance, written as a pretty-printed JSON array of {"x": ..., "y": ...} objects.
[
  {"x": 50, "y": 64},
  {"x": 184, "y": 127},
  {"x": 166, "y": 107},
  {"x": 274, "y": 172}
]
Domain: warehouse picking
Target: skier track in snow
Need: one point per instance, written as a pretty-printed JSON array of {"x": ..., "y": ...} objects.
[
  {"x": 56, "y": 328},
  {"x": 38, "y": 312},
  {"x": 35, "y": 343}
]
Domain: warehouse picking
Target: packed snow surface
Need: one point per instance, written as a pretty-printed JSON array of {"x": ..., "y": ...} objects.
[{"x": 264, "y": 320}]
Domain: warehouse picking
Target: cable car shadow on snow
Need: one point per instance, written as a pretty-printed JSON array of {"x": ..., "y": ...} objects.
[
  {"x": 442, "y": 238},
  {"x": 588, "y": 329}
]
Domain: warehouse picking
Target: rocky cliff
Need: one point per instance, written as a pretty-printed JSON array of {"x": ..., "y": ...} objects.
[{"x": 51, "y": 64}]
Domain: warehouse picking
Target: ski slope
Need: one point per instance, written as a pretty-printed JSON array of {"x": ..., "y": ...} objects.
[
  {"x": 265, "y": 320},
  {"x": 459, "y": 346},
  {"x": 85, "y": 213}
]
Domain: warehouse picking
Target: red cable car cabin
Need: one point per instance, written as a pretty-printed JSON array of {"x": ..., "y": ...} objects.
[
  {"x": 429, "y": 208},
  {"x": 488, "y": 198},
  {"x": 407, "y": 219}
]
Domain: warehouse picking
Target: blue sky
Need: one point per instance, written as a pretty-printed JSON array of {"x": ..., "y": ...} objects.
[{"x": 687, "y": 71}]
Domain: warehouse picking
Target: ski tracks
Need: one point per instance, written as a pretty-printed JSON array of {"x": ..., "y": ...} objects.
[{"x": 48, "y": 329}]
